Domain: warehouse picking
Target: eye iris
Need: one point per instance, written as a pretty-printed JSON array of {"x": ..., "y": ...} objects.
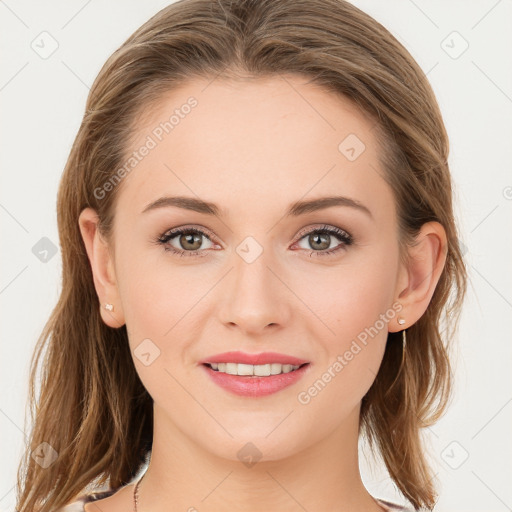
[
  {"x": 316, "y": 236},
  {"x": 188, "y": 239}
]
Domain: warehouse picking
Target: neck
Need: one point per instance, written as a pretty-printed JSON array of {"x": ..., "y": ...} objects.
[{"x": 183, "y": 475}]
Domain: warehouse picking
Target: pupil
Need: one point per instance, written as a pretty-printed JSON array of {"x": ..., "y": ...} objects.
[
  {"x": 194, "y": 237},
  {"x": 324, "y": 236}
]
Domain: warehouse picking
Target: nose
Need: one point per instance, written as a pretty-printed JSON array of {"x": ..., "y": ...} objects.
[{"x": 254, "y": 297}]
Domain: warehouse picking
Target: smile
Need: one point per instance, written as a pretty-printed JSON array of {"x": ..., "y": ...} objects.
[
  {"x": 245, "y": 379},
  {"x": 260, "y": 370}
]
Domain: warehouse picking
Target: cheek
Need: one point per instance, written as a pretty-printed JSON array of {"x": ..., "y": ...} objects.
[
  {"x": 153, "y": 298},
  {"x": 351, "y": 297},
  {"x": 155, "y": 303},
  {"x": 161, "y": 303},
  {"x": 355, "y": 303}
]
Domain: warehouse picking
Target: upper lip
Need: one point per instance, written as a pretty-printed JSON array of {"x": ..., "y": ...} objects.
[{"x": 254, "y": 359}]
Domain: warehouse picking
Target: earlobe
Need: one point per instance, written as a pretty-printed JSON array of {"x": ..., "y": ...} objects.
[
  {"x": 427, "y": 260},
  {"x": 102, "y": 267}
]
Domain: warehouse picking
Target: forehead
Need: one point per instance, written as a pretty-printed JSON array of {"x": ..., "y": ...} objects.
[{"x": 273, "y": 140}]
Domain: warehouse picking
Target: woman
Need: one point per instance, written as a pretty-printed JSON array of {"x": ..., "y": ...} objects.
[{"x": 258, "y": 249}]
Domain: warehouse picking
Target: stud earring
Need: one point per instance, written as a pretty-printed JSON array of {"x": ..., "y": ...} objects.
[
  {"x": 109, "y": 307},
  {"x": 401, "y": 320}
]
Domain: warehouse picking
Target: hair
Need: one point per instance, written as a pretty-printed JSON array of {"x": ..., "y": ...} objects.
[{"x": 92, "y": 409}]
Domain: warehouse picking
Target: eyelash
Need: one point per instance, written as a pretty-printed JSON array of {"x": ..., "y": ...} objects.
[{"x": 342, "y": 236}]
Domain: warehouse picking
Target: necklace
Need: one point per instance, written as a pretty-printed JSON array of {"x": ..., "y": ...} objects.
[{"x": 136, "y": 493}]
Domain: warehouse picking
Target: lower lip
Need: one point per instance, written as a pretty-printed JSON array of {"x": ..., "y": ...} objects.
[{"x": 255, "y": 386}]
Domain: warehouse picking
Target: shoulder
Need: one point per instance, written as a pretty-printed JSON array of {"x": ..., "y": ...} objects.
[
  {"x": 76, "y": 506},
  {"x": 79, "y": 504},
  {"x": 392, "y": 507}
]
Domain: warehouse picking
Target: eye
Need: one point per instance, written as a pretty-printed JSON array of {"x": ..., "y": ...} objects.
[
  {"x": 188, "y": 241},
  {"x": 321, "y": 239}
]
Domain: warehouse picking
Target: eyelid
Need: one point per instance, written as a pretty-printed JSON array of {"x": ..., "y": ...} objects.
[
  {"x": 321, "y": 227},
  {"x": 172, "y": 232}
]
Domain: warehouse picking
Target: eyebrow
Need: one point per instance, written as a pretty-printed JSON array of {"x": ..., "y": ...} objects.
[{"x": 295, "y": 209}]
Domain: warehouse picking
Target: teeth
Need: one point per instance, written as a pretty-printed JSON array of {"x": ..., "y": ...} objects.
[{"x": 258, "y": 370}]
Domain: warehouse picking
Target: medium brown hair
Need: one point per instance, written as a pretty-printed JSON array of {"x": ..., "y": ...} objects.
[{"x": 93, "y": 409}]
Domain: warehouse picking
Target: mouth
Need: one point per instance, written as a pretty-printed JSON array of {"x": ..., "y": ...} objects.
[
  {"x": 255, "y": 380},
  {"x": 251, "y": 370}
]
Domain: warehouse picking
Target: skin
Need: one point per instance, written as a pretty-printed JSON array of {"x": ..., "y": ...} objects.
[{"x": 253, "y": 147}]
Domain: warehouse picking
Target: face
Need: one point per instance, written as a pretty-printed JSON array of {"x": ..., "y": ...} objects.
[{"x": 319, "y": 285}]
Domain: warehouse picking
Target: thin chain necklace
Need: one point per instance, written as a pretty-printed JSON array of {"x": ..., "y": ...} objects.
[{"x": 136, "y": 493}]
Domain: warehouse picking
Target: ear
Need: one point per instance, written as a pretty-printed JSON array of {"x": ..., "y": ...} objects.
[
  {"x": 102, "y": 266},
  {"x": 417, "y": 282}
]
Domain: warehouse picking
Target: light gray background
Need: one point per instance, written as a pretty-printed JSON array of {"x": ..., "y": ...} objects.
[{"x": 43, "y": 100}]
